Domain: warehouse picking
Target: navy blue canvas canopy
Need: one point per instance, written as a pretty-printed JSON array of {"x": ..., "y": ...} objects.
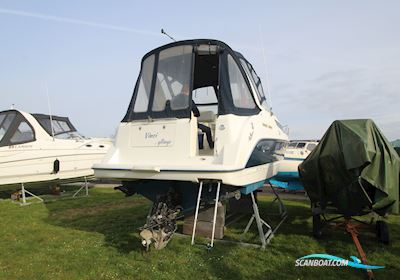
[{"x": 195, "y": 64}]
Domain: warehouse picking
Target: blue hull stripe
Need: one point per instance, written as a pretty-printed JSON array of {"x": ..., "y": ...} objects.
[{"x": 252, "y": 187}]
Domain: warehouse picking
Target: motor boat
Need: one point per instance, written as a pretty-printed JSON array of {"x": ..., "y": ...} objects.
[
  {"x": 198, "y": 116},
  {"x": 288, "y": 175},
  {"x": 38, "y": 149}
]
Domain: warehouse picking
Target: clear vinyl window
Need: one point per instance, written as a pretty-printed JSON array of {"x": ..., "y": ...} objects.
[
  {"x": 23, "y": 134},
  {"x": 174, "y": 71},
  {"x": 143, "y": 94},
  {"x": 5, "y": 121},
  {"x": 241, "y": 94},
  {"x": 256, "y": 81}
]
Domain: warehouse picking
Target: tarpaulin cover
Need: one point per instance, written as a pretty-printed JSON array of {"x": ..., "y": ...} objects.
[{"x": 354, "y": 168}]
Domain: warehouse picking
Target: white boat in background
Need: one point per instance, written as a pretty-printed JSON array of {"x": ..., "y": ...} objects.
[
  {"x": 288, "y": 175},
  {"x": 36, "y": 149}
]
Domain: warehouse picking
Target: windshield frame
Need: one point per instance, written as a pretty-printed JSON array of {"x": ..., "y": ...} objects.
[{"x": 41, "y": 118}]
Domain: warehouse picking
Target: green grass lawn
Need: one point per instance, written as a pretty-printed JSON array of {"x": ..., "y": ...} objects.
[{"x": 97, "y": 238}]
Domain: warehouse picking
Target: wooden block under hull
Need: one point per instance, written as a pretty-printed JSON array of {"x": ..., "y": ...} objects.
[
  {"x": 204, "y": 229},
  {"x": 205, "y": 222}
]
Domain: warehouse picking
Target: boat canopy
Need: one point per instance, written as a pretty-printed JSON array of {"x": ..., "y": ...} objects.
[
  {"x": 354, "y": 167},
  {"x": 60, "y": 125},
  {"x": 170, "y": 74},
  {"x": 15, "y": 129}
]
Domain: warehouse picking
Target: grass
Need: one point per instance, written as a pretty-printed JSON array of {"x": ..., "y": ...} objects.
[{"x": 97, "y": 238}]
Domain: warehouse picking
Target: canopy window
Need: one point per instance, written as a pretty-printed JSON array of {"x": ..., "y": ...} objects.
[
  {"x": 5, "y": 121},
  {"x": 256, "y": 81},
  {"x": 164, "y": 85},
  {"x": 59, "y": 127},
  {"x": 173, "y": 80},
  {"x": 143, "y": 93},
  {"x": 24, "y": 133},
  {"x": 15, "y": 129},
  {"x": 240, "y": 91},
  {"x": 207, "y": 72}
]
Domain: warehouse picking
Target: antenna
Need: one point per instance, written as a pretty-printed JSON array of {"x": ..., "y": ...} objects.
[
  {"x": 48, "y": 104},
  {"x": 165, "y": 33},
  {"x": 266, "y": 68}
]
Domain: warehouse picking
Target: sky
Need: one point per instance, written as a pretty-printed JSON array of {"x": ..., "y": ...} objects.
[{"x": 319, "y": 60}]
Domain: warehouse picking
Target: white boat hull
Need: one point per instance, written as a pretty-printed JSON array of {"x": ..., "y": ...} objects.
[
  {"x": 73, "y": 167},
  {"x": 234, "y": 177}
]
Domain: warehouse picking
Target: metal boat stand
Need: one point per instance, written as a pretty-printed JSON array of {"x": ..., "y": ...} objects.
[
  {"x": 85, "y": 186},
  {"x": 24, "y": 198},
  {"x": 211, "y": 244},
  {"x": 265, "y": 237}
]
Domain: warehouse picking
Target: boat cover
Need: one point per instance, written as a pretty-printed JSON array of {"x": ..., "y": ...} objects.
[{"x": 354, "y": 168}]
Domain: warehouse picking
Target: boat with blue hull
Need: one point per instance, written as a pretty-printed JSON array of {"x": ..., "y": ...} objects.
[{"x": 288, "y": 175}]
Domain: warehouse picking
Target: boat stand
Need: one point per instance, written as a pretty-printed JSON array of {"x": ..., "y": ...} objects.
[
  {"x": 85, "y": 186},
  {"x": 265, "y": 237},
  {"x": 211, "y": 244},
  {"x": 24, "y": 198}
]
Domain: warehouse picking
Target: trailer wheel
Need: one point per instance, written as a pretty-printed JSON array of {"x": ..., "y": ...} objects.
[
  {"x": 317, "y": 226},
  {"x": 382, "y": 232}
]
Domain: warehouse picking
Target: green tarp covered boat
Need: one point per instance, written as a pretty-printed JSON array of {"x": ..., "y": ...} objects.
[{"x": 354, "y": 169}]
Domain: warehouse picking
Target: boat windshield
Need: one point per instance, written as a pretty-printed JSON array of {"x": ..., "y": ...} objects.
[
  {"x": 70, "y": 135},
  {"x": 301, "y": 145},
  {"x": 292, "y": 145},
  {"x": 297, "y": 145},
  {"x": 60, "y": 127}
]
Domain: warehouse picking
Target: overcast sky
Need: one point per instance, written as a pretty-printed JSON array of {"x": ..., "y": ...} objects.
[{"x": 325, "y": 60}]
